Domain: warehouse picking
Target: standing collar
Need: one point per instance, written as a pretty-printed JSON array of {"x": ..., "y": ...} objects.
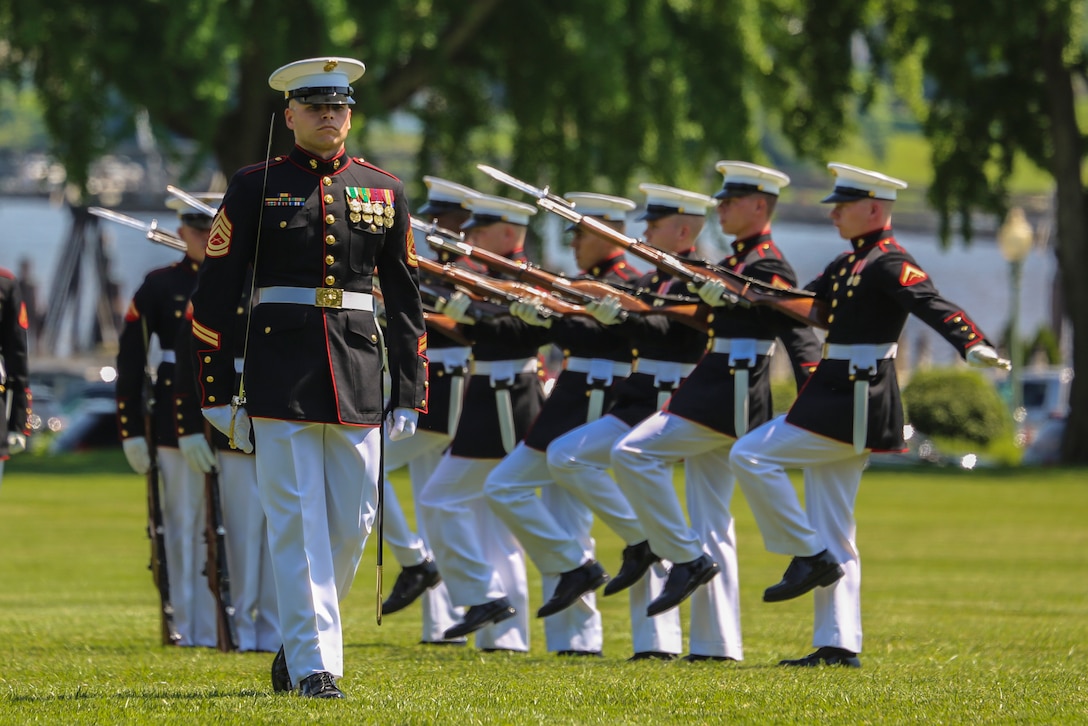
[
  {"x": 871, "y": 238},
  {"x": 304, "y": 159},
  {"x": 741, "y": 246}
]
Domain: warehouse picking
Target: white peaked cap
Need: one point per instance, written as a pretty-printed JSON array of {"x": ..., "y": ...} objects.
[
  {"x": 444, "y": 195},
  {"x": 742, "y": 178},
  {"x": 487, "y": 209},
  {"x": 662, "y": 201},
  {"x": 318, "y": 80},
  {"x": 853, "y": 183},
  {"x": 613, "y": 209}
]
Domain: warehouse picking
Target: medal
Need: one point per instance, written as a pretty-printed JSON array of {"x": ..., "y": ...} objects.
[
  {"x": 368, "y": 208},
  {"x": 389, "y": 212},
  {"x": 355, "y": 217},
  {"x": 368, "y": 218}
]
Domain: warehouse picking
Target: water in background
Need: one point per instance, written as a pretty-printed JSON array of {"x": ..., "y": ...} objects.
[{"x": 975, "y": 277}]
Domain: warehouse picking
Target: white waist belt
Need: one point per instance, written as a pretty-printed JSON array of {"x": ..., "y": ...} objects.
[
  {"x": 663, "y": 371},
  {"x": 322, "y": 297},
  {"x": 450, "y": 358},
  {"x": 169, "y": 356},
  {"x": 742, "y": 349},
  {"x": 861, "y": 356},
  {"x": 503, "y": 370},
  {"x": 598, "y": 369}
]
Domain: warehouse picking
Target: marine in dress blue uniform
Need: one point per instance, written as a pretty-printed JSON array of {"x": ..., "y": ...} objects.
[
  {"x": 316, "y": 225},
  {"x": 554, "y": 528},
  {"x": 479, "y": 559},
  {"x": 729, "y": 390},
  {"x": 448, "y": 366},
  {"x": 249, "y": 560},
  {"x": 157, "y": 311},
  {"x": 665, "y": 353},
  {"x": 14, "y": 368},
  {"x": 848, "y": 407}
]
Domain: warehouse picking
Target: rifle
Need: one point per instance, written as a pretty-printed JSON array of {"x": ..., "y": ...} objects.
[
  {"x": 151, "y": 230},
  {"x": 226, "y": 633},
  {"x": 156, "y": 530},
  {"x": 798, "y": 304},
  {"x": 501, "y": 292},
  {"x": 580, "y": 291}
]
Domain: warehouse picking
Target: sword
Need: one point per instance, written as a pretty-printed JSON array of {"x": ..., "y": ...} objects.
[
  {"x": 191, "y": 200},
  {"x": 151, "y": 230}
]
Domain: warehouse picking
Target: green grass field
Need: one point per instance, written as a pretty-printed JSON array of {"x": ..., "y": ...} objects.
[{"x": 975, "y": 602}]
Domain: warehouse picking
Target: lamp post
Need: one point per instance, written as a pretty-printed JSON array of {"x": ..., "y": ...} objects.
[{"x": 1014, "y": 239}]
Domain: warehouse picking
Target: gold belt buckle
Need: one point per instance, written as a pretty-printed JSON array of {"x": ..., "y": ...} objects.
[{"x": 329, "y": 297}]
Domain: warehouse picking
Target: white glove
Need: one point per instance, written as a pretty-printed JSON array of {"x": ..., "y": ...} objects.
[
  {"x": 219, "y": 417},
  {"x": 16, "y": 443},
  {"x": 529, "y": 311},
  {"x": 606, "y": 311},
  {"x": 714, "y": 294},
  {"x": 401, "y": 423},
  {"x": 136, "y": 451},
  {"x": 195, "y": 449},
  {"x": 455, "y": 307},
  {"x": 983, "y": 356}
]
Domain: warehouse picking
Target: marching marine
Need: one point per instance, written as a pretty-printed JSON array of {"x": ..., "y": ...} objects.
[{"x": 316, "y": 225}]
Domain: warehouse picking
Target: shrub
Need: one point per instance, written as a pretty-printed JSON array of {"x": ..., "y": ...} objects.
[{"x": 956, "y": 403}]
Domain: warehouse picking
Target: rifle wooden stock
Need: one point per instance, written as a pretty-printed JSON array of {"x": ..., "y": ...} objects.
[{"x": 215, "y": 535}]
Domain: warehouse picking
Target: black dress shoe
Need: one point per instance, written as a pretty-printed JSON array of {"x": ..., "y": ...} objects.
[
  {"x": 827, "y": 656},
  {"x": 411, "y": 583},
  {"x": 281, "y": 677},
  {"x": 572, "y": 585},
  {"x": 696, "y": 658},
  {"x": 804, "y": 574},
  {"x": 637, "y": 558},
  {"x": 480, "y": 616},
  {"x": 577, "y": 653},
  {"x": 653, "y": 655},
  {"x": 319, "y": 685},
  {"x": 500, "y": 650},
  {"x": 684, "y": 579}
]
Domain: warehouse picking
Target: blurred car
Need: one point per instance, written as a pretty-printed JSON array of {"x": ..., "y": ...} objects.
[
  {"x": 91, "y": 425},
  {"x": 1046, "y": 443},
  {"x": 1044, "y": 401}
]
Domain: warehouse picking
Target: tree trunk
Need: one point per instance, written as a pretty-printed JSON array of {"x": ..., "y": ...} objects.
[{"x": 1072, "y": 231}]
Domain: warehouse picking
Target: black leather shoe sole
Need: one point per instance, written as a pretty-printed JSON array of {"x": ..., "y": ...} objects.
[
  {"x": 826, "y": 656},
  {"x": 652, "y": 655},
  {"x": 411, "y": 583},
  {"x": 572, "y": 585},
  {"x": 281, "y": 677},
  {"x": 803, "y": 575},
  {"x": 695, "y": 658},
  {"x": 480, "y": 616},
  {"x": 637, "y": 558},
  {"x": 695, "y": 574}
]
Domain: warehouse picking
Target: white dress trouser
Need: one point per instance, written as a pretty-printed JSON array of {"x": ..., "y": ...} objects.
[
  {"x": 421, "y": 453},
  {"x": 478, "y": 557},
  {"x": 832, "y": 476},
  {"x": 252, "y": 585},
  {"x": 579, "y": 461},
  {"x": 186, "y": 551},
  {"x": 643, "y": 462},
  {"x": 554, "y": 529},
  {"x": 318, "y": 485}
]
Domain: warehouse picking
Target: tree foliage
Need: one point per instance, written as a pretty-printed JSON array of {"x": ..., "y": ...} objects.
[{"x": 594, "y": 94}]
